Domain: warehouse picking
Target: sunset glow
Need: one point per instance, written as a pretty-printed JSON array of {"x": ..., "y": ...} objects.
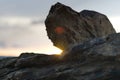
[{"x": 18, "y": 51}]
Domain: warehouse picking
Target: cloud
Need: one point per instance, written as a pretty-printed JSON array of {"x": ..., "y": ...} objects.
[
  {"x": 10, "y": 36},
  {"x": 22, "y": 32},
  {"x": 15, "y": 21},
  {"x": 3, "y": 44},
  {"x": 34, "y": 22}
]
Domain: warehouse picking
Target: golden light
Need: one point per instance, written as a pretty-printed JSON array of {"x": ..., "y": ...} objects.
[
  {"x": 52, "y": 50},
  {"x": 17, "y": 51}
]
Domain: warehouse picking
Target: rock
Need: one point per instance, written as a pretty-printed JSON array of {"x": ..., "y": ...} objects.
[
  {"x": 30, "y": 60},
  {"x": 66, "y": 27},
  {"x": 108, "y": 46},
  {"x": 7, "y": 62},
  {"x": 95, "y": 59},
  {"x": 111, "y": 47}
]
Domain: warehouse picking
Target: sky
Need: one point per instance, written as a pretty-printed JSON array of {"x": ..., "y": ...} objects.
[{"x": 22, "y": 27}]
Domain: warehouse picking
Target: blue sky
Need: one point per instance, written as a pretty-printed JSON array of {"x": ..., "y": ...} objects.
[{"x": 22, "y": 26}]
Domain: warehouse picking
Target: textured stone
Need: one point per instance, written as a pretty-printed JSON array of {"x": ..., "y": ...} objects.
[
  {"x": 108, "y": 46},
  {"x": 66, "y": 27},
  {"x": 96, "y": 59}
]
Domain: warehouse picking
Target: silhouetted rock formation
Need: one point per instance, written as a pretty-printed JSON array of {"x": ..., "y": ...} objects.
[
  {"x": 97, "y": 59},
  {"x": 95, "y": 54},
  {"x": 66, "y": 27}
]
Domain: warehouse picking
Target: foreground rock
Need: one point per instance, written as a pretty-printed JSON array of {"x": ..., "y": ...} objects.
[
  {"x": 66, "y": 27},
  {"x": 97, "y": 59}
]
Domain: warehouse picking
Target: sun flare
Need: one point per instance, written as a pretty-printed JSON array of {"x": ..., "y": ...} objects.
[
  {"x": 17, "y": 51},
  {"x": 52, "y": 50}
]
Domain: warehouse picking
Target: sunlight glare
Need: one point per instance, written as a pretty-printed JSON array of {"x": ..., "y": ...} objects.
[
  {"x": 52, "y": 50},
  {"x": 17, "y": 51}
]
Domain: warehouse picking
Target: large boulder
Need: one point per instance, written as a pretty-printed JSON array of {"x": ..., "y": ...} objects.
[{"x": 66, "y": 27}]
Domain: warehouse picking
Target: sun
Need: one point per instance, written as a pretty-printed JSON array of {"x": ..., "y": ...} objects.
[
  {"x": 52, "y": 50},
  {"x": 17, "y": 51},
  {"x": 49, "y": 50}
]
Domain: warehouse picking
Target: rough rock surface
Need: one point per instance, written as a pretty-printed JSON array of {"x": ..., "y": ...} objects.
[
  {"x": 97, "y": 59},
  {"x": 66, "y": 27}
]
